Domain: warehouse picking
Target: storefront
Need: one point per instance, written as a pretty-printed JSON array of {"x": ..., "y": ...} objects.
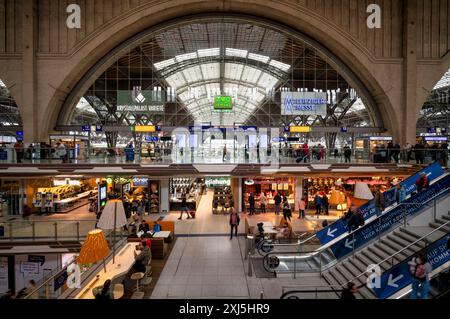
[
  {"x": 61, "y": 194},
  {"x": 76, "y": 146},
  {"x": 270, "y": 186},
  {"x": 338, "y": 188},
  {"x": 223, "y": 200},
  {"x": 137, "y": 188}
]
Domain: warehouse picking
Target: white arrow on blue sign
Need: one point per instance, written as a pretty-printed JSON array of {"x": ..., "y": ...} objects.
[{"x": 331, "y": 232}]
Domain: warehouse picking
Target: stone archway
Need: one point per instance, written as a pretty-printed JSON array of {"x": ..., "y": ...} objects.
[
  {"x": 130, "y": 44},
  {"x": 63, "y": 75}
]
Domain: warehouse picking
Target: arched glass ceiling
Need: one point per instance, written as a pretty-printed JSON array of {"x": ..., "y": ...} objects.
[
  {"x": 9, "y": 112},
  {"x": 436, "y": 110},
  {"x": 198, "y": 77},
  {"x": 196, "y": 60}
]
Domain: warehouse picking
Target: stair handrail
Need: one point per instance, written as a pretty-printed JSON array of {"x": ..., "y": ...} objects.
[
  {"x": 339, "y": 288},
  {"x": 403, "y": 249}
]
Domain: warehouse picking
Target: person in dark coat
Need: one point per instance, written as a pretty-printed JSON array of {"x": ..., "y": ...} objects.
[
  {"x": 234, "y": 223},
  {"x": 251, "y": 203},
  {"x": 325, "y": 204},
  {"x": 349, "y": 292}
]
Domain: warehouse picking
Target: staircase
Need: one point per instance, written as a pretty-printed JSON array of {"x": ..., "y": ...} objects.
[{"x": 376, "y": 252}]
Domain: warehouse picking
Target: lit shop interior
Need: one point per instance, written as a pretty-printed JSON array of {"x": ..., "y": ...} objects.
[
  {"x": 190, "y": 188},
  {"x": 270, "y": 186}
]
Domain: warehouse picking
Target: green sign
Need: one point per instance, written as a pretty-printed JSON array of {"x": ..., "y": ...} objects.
[
  {"x": 223, "y": 102},
  {"x": 217, "y": 181},
  {"x": 137, "y": 101}
]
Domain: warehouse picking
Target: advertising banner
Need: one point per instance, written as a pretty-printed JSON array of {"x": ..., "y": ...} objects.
[
  {"x": 304, "y": 103},
  {"x": 339, "y": 227},
  {"x": 137, "y": 101},
  {"x": 399, "y": 276}
]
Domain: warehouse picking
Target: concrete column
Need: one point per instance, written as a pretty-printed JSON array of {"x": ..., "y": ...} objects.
[
  {"x": 298, "y": 191},
  {"x": 238, "y": 194},
  {"x": 164, "y": 198},
  {"x": 409, "y": 116},
  {"x": 29, "y": 80}
]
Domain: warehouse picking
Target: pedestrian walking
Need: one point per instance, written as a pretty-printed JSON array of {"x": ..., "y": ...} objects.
[{"x": 234, "y": 223}]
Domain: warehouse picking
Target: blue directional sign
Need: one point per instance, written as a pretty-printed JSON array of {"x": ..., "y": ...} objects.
[
  {"x": 399, "y": 276},
  {"x": 339, "y": 227},
  {"x": 384, "y": 223}
]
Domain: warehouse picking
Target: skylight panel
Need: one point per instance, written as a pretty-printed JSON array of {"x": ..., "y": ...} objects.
[
  {"x": 193, "y": 74},
  {"x": 211, "y": 71},
  {"x": 176, "y": 80},
  {"x": 208, "y": 52},
  {"x": 236, "y": 52},
  {"x": 250, "y": 74},
  {"x": 2, "y": 84},
  {"x": 258, "y": 57},
  {"x": 164, "y": 64},
  {"x": 280, "y": 65},
  {"x": 233, "y": 71},
  {"x": 267, "y": 82}
]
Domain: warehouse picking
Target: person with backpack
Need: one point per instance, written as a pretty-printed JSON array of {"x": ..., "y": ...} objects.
[
  {"x": 379, "y": 201},
  {"x": 277, "y": 200},
  {"x": 318, "y": 204},
  {"x": 349, "y": 292},
  {"x": 302, "y": 208},
  {"x": 420, "y": 268},
  {"x": 422, "y": 183},
  {"x": 400, "y": 193}
]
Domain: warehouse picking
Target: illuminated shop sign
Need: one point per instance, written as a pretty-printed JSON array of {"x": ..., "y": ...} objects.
[
  {"x": 381, "y": 138},
  {"x": 223, "y": 102},
  {"x": 141, "y": 101},
  {"x": 140, "y": 181},
  {"x": 304, "y": 103},
  {"x": 217, "y": 181}
]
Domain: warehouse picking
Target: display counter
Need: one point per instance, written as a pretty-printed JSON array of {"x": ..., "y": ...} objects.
[
  {"x": 68, "y": 204},
  {"x": 124, "y": 260},
  {"x": 194, "y": 188}
]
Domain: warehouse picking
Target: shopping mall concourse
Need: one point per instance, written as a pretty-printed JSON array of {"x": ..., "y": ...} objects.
[{"x": 202, "y": 149}]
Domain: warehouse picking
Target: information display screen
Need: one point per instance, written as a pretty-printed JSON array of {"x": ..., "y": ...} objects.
[
  {"x": 223, "y": 102},
  {"x": 102, "y": 195}
]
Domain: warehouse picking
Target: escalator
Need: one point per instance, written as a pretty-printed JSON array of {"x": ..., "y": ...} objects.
[{"x": 338, "y": 229}]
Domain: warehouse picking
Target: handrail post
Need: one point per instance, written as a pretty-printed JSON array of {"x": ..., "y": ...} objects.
[
  {"x": 434, "y": 210},
  {"x": 10, "y": 230},
  {"x": 78, "y": 230},
  {"x": 56, "y": 231},
  {"x": 295, "y": 267},
  {"x": 250, "y": 273},
  {"x": 33, "y": 230},
  {"x": 320, "y": 263},
  {"x": 47, "y": 290}
]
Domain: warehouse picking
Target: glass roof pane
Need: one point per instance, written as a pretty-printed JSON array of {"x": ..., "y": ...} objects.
[
  {"x": 236, "y": 52},
  {"x": 211, "y": 71},
  {"x": 233, "y": 71},
  {"x": 209, "y": 52},
  {"x": 164, "y": 64},
  {"x": 280, "y": 65},
  {"x": 444, "y": 81},
  {"x": 187, "y": 56},
  {"x": 2, "y": 84},
  {"x": 258, "y": 57}
]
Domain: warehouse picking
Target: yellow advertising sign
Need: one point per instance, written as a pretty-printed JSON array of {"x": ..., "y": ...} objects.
[{"x": 300, "y": 129}]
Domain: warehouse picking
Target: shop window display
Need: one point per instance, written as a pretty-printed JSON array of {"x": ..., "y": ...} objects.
[
  {"x": 285, "y": 187},
  {"x": 193, "y": 188}
]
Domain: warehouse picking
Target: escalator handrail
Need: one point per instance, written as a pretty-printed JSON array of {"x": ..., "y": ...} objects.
[{"x": 403, "y": 249}]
